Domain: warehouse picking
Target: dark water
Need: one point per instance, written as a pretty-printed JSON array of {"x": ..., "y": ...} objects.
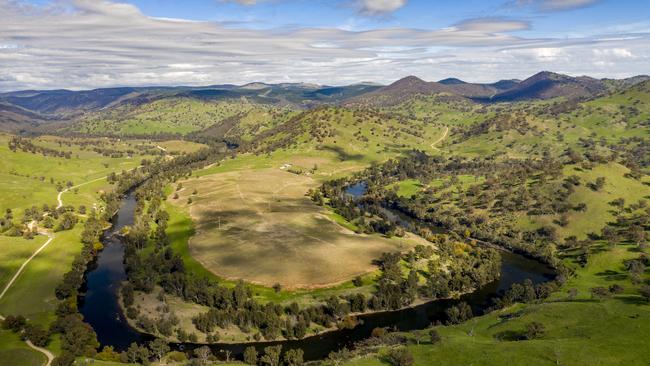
[
  {"x": 99, "y": 306},
  {"x": 101, "y": 310},
  {"x": 357, "y": 190}
]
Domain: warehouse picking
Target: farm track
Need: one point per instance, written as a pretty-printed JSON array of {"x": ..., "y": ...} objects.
[{"x": 444, "y": 136}]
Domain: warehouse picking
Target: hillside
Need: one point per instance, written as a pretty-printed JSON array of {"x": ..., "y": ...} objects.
[
  {"x": 166, "y": 116},
  {"x": 548, "y": 85},
  {"x": 15, "y": 119}
]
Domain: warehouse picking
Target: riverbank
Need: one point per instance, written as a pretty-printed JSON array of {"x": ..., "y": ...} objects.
[{"x": 102, "y": 310}]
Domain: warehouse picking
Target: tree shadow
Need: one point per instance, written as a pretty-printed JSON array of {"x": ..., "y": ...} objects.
[
  {"x": 611, "y": 275},
  {"x": 632, "y": 300},
  {"x": 509, "y": 336},
  {"x": 341, "y": 153}
]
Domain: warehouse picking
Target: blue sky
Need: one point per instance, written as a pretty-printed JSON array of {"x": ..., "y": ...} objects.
[
  {"x": 414, "y": 14},
  {"x": 96, "y": 43}
]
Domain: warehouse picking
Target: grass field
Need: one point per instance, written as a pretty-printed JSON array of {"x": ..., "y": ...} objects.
[
  {"x": 25, "y": 178},
  {"x": 13, "y": 252},
  {"x": 259, "y": 226},
  {"x": 32, "y": 294},
  {"x": 14, "y": 352},
  {"x": 407, "y": 188},
  {"x": 599, "y": 211},
  {"x": 173, "y": 146}
]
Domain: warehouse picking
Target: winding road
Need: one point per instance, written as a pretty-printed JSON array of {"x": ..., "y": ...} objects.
[{"x": 50, "y": 236}]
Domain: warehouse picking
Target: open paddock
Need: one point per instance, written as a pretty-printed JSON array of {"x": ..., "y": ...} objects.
[{"x": 258, "y": 225}]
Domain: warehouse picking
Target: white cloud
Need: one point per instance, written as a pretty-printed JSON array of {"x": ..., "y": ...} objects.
[
  {"x": 614, "y": 52},
  {"x": 375, "y": 7},
  {"x": 90, "y": 44}
]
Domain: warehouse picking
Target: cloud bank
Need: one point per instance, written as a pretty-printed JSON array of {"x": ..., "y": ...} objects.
[{"x": 92, "y": 43}]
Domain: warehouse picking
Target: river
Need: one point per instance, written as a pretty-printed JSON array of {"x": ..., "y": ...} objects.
[{"x": 101, "y": 310}]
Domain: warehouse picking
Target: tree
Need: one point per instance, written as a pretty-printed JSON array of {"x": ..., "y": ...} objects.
[
  {"x": 250, "y": 355},
  {"x": 357, "y": 281},
  {"x": 573, "y": 292},
  {"x": 598, "y": 184},
  {"x": 459, "y": 313},
  {"x": 616, "y": 289},
  {"x": 600, "y": 293},
  {"x": 637, "y": 234},
  {"x": 108, "y": 354},
  {"x": 434, "y": 337},
  {"x": 78, "y": 338},
  {"x": 64, "y": 359},
  {"x": 294, "y": 357},
  {"x": 271, "y": 355},
  {"x": 534, "y": 330},
  {"x": 136, "y": 354},
  {"x": 400, "y": 357},
  {"x": 68, "y": 221},
  {"x": 15, "y": 323},
  {"x": 158, "y": 348},
  {"x": 203, "y": 354},
  {"x": 37, "y": 335}
]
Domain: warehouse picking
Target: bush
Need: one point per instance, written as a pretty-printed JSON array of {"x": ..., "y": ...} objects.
[
  {"x": 378, "y": 332},
  {"x": 37, "y": 335},
  {"x": 108, "y": 354},
  {"x": 434, "y": 336},
  {"x": 400, "y": 357},
  {"x": 459, "y": 313},
  {"x": 357, "y": 281},
  {"x": 250, "y": 356},
  {"x": 65, "y": 359},
  {"x": 15, "y": 323},
  {"x": 616, "y": 289},
  {"x": 177, "y": 356},
  {"x": 535, "y": 330},
  {"x": 600, "y": 293}
]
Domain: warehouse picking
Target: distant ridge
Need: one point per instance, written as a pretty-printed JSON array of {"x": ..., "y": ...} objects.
[
  {"x": 399, "y": 91},
  {"x": 29, "y": 108},
  {"x": 548, "y": 85}
]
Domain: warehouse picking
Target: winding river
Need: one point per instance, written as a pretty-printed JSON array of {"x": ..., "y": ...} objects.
[{"x": 101, "y": 310}]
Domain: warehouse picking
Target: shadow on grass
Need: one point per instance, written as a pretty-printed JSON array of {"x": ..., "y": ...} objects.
[
  {"x": 504, "y": 318},
  {"x": 509, "y": 336},
  {"x": 632, "y": 300},
  {"x": 611, "y": 275},
  {"x": 342, "y": 154}
]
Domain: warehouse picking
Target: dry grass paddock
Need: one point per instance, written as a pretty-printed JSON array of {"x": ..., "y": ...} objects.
[{"x": 258, "y": 225}]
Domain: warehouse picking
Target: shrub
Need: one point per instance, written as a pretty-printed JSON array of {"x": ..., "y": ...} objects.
[
  {"x": 434, "y": 337},
  {"x": 15, "y": 323},
  {"x": 37, "y": 335},
  {"x": 534, "y": 330},
  {"x": 616, "y": 289},
  {"x": 400, "y": 357}
]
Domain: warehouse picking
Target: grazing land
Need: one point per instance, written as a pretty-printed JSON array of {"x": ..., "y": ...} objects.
[{"x": 260, "y": 226}]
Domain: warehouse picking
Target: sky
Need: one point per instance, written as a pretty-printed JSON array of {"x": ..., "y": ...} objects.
[{"x": 86, "y": 44}]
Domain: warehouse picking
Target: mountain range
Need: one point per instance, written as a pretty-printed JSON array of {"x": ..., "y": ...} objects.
[{"x": 31, "y": 109}]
